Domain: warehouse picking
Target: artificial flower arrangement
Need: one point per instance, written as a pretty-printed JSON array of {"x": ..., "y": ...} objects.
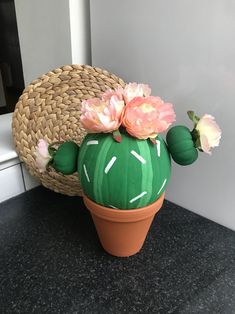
[{"x": 124, "y": 164}]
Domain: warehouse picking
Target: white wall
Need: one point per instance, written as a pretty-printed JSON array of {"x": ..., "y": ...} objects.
[
  {"x": 185, "y": 50},
  {"x": 52, "y": 33}
]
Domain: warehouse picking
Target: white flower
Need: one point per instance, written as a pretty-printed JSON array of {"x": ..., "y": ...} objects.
[{"x": 209, "y": 133}]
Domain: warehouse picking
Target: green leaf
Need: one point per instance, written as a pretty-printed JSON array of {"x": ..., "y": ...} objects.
[
  {"x": 191, "y": 114},
  {"x": 193, "y": 117}
]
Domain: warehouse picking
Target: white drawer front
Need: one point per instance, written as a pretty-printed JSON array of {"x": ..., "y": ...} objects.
[{"x": 11, "y": 182}]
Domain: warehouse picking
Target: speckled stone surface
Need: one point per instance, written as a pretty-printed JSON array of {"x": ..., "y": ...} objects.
[{"x": 51, "y": 262}]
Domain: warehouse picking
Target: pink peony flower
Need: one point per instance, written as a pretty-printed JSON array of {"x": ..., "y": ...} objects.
[
  {"x": 42, "y": 155},
  {"x": 209, "y": 133},
  {"x": 103, "y": 116},
  {"x": 133, "y": 90},
  {"x": 118, "y": 92},
  {"x": 146, "y": 117}
]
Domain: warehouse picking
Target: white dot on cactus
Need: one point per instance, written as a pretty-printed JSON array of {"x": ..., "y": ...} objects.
[
  {"x": 158, "y": 147},
  {"x": 86, "y": 174},
  {"x": 137, "y": 197},
  {"x": 110, "y": 164},
  {"x": 140, "y": 158},
  {"x": 92, "y": 142},
  {"x": 163, "y": 184}
]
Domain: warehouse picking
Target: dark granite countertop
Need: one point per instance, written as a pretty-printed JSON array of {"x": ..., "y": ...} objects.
[{"x": 51, "y": 262}]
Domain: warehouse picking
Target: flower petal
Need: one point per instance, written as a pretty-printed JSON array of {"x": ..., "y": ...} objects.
[
  {"x": 133, "y": 90},
  {"x": 205, "y": 144}
]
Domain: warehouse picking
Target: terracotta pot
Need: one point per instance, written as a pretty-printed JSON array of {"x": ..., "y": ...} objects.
[{"x": 122, "y": 232}]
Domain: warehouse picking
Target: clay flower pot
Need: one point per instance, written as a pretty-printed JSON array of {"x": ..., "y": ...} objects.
[{"x": 122, "y": 232}]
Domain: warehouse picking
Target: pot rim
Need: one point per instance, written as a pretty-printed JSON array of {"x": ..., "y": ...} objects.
[{"x": 123, "y": 215}]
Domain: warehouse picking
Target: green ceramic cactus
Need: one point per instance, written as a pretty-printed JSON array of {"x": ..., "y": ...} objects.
[
  {"x": 126, "y": 175},
  {"x": 130, "y": 174}
]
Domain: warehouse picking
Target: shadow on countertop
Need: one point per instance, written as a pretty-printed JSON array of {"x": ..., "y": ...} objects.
[{"x": 51, "y": 261}]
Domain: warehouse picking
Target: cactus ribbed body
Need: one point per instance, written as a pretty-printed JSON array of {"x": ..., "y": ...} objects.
[{"x": 126, "y": 175}]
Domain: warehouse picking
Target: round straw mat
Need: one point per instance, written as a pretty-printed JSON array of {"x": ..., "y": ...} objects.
[{"x": 49, "y": 109}]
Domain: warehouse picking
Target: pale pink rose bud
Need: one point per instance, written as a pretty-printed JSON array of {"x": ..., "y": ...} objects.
[
  {"x": 147, "y": 117},
  {"x": 133, "y": 90},
  {"x": 42, "y": 155},
  {"x": 102, "y": 116},
  {"x": 209, "y": 132}
]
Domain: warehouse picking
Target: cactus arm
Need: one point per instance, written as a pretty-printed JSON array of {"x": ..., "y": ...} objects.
[
  {"x": 64, "y": 158},
  {"x": 181, "y": 145}
]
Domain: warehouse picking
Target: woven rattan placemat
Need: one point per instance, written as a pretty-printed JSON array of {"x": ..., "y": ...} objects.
[{"x": 49, "y": 109}]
